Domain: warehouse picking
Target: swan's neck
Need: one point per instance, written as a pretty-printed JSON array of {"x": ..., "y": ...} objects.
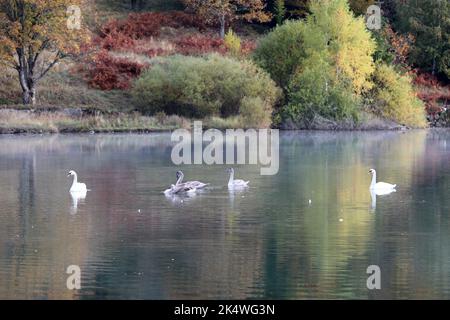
[
  {"x": 180, "y": 180},
  {"x": 75, "y": 180},
  {"x": 374, "y": 180},
  {"x": 231, "y": 178}
]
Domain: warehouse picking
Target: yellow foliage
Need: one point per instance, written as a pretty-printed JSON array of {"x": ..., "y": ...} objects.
[
  {"x": 36, "y": 26},
  {"x": 35, "y": 35},
  {"x": 232, "y": 43},
  {"x": 348, "y": 42},
  {"x": 396, "y": 98}
]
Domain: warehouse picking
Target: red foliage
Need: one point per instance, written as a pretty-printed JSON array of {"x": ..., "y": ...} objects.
[
  {"x": 400, "y": 45},
  {"x": 135, "y": 26},
  {"x": 199, "y": 44},
  {"x": 144, "y": 25},
  {"x": 107, "y": 72},
  {"x": 248, "y": 46},
  {"x": 432, "y": 92},
  {"x": 154, "y": 52},
  {"x": 132, "y": 35},
  {"x": 116, "y": 41},
  {"x": 179, "y": 19}
]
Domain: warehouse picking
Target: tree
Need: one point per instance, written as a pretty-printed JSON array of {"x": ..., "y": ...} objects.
[
  {"x": 395, "y": 98},
  {"x": 332, "y": 28},
  {"x": 323, "y": 63},
  {"x": 280, "y": 11},
  {"x": 35, "y": 35},
  {"x": 282, "y": 51},
  {"x": 429, "y": 22},
  {"x": 221, "y": 11}
]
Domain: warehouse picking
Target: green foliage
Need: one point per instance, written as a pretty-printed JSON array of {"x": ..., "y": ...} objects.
[
  {"x": 324, "y": 63},
  {"x": 395, "y": 98},
  {"x": 233, "y": 43},
  {"x": 314, "y": 91},
  {"x": 281, "y": 52},
  {"x": 383, "y": 51},
  {"x": 255, "y": 112},
  {"x": 280, "y": 11},
  {"x": 207, "y": 86},
  {"x": 333, "y": 29},
  {"x": 429, "y": 22}
]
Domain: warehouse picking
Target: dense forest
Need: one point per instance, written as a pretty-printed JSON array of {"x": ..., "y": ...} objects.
[{"x": 237, "y": 63}]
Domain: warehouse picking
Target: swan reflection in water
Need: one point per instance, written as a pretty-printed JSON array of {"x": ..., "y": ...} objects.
[
  {"x": 77, "y": 197},
  {"x": 379, "y": 192},
  {"x": 234, "y": 193},
  {"x": 180, "y": 198}
]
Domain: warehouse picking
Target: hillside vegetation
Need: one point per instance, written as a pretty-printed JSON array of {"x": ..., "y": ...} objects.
[{"x": 289, "y": 64}]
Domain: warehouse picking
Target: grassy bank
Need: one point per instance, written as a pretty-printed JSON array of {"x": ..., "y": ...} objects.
[
  {"x": 75, "y": 120},
  {"x": 51, "y": 119}
]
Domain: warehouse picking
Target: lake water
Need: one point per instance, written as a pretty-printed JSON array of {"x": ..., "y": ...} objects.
[{"x": 310, "y": 231}]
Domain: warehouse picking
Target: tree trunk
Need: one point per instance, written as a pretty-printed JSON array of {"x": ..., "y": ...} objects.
[
  {"x": 28, "y": 85},
  {"x": 222, "y": 26},
  {"x": 433, "y": 71},
  {"x": 29, "y": 96}
]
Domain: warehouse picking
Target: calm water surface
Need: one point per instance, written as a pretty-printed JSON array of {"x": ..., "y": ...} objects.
[{"x": 131, "y": 242}]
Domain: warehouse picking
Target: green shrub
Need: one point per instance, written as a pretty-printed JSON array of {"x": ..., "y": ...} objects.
[
  {"x": 394, "y": 98},
  {"x": 255, "y": 112},
  {"x": 281, "y": 52},
  {"x": 314, "y": 92},
  {"x": 232, "y": 43},
  {"x": 212, "y": 85}
]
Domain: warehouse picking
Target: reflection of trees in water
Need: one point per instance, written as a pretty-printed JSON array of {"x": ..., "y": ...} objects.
[
  {"x": 183, "y": 251},
  {"x": 26, "y": 190},
  {"x": 271, "y": 243},
  {"x": 39, "y": 242},
  {"x": 423, "y": 226},
  {"x": 318, "y": 255}
]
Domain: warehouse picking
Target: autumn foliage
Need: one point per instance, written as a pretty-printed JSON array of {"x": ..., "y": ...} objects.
[
  {"x": 149, "y": 24},
  {"x": 199, "y": 44},
  {"x": 108, "y": 72},
  {"x": 430, "y": 90},
  {"x": 400, "y": 45},
  {"x": 135, "y": 34},
  {"x": 35, "y": 35}
]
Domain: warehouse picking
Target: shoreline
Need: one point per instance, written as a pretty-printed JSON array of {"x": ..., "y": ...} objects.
[
  {"x": 54, "y": 120},
  {"x": 18, "y": 132}
]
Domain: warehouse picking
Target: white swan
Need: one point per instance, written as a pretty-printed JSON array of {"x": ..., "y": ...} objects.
[
  {"x": 235, "y": 183},
  {"x": 380, "y": 188},
  {"x": 193, "y": 184},
  {"x": 76, "y": 186}
]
